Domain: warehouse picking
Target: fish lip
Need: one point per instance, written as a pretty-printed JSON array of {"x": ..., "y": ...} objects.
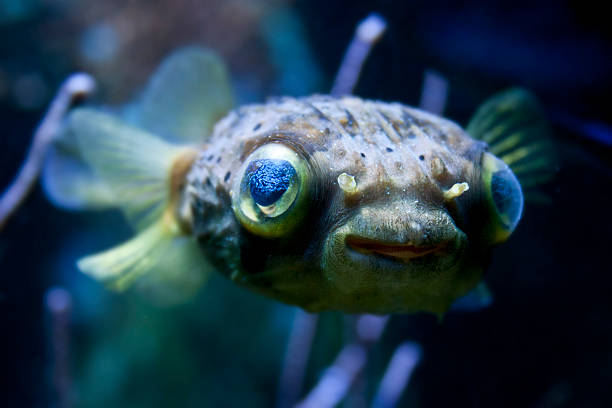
[{"x": 397, "y": 251}]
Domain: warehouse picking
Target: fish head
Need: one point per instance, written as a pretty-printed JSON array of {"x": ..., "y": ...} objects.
[{"x": 308, "y": 216}]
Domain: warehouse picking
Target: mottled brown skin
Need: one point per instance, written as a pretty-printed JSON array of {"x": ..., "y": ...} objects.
[{"x": 342, "y": 257}]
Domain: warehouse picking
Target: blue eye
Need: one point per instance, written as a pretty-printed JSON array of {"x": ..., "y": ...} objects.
[
  {"x": 507, "y": 196},
  {"x": 269, "y": 179},
  {"x": 504, "y": 195},
  {"x": 271, "y": 198}
]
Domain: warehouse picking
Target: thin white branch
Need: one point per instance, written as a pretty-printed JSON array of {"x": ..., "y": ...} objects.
[
  {"x": 368, "y": 32},
  {"x": 58, "y": 302},
  {"x": 434, "y": 93},
  {"x": 77, "y": 86},
  {"x": 296, "y": 358},
  {"x": 336, "y": 380},
  {"x": 403, "y": 362}
]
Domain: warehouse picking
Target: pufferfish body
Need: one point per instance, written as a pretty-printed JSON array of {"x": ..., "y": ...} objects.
[{"x": 328, "y": 203}]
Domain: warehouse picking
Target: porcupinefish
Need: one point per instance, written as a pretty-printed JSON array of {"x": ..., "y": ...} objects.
[{"x": 328, "y": 203}]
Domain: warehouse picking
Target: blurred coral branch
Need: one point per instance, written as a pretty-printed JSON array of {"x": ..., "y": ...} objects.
[
  {"x": 296, "y": 358},
  {"x": 368, "y": 32},
  {"x": 336, "y": 381},
  {"x": 76, "y": 87},
  {"x": 350, "y": 362},
  {"x": 434, "y": 92},
  {"x": 403, "y": 362},
  {"x": 58, "y": 302}
]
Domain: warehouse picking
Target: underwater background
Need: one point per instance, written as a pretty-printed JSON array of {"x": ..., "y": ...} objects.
[{"x": 546, "y": 339}]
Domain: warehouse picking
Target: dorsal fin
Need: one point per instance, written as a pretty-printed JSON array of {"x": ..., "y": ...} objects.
[
  {"x": 185, "y": 97},
  {"x": 513, "y": 124}
]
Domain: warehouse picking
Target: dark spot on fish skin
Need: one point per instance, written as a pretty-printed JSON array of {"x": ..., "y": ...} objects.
[
  {"x": 326, "y": 131},
  {"x": 227, "y": 176},
  {"x": 421, "y": 157},
  {"x": 389, "y": 149},
  {"x": 208, "y": 182},
  {"x": 219, "y": 159},
  {"x": 256, "y": 128},
  {"x": 209, "y": 158},
  {"x": 362, "y": 155}
]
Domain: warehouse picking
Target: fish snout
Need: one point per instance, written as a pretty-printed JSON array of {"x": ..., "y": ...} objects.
[
  {"x": 394, "y": 255},
  {"x": 408, "y": 231}
]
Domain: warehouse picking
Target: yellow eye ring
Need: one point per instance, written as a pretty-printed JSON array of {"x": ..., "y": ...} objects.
[
  {"x": 503, "y": 196},
  {"x": 270, "y": 196}
]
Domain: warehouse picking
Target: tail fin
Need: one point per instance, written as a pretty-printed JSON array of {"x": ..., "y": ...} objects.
[{"x": 514, "y": 126}]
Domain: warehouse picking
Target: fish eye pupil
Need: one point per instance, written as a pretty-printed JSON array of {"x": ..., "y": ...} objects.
[{"x": 268, "y": 179}]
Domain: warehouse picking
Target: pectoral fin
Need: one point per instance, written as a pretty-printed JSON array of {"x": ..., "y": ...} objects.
[
  {"x": 162, "y": 262},
  {"x": 70, "y": 183},
  {"x": 139, "y": 166},
  {"x": 134, "y": 165}
]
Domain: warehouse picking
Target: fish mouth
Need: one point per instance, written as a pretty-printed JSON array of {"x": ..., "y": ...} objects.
[{"x": 403, "y": 252}]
